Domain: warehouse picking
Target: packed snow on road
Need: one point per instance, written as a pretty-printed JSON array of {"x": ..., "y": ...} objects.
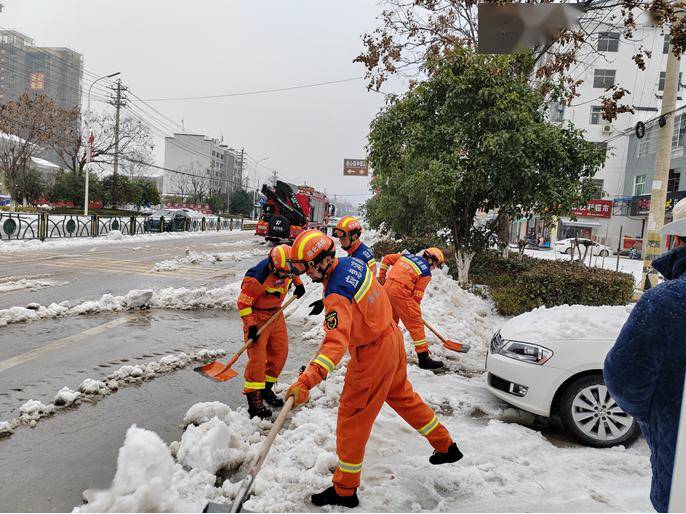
[{"x": 507, "y": 465}]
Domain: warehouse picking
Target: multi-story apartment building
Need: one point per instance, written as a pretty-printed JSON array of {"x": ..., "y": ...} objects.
[
  {"x": 200, "y": 163},
  {"x": 623, "y": 182},
  {"x": 27, "y": 68}
]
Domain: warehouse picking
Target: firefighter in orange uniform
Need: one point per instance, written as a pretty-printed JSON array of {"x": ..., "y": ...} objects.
[
  {"x": 407, "y": 280},
  {"x": 262, "y": 292},
  {"x": 348, "y": 232},
  {"x": 359, "y": 319}
]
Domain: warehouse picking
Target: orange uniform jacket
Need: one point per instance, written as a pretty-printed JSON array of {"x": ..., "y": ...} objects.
[
  {"x": 359, "y": 319},
  {"x": 262, "y": 290},
  {"x": 407, "y": 280},
  {"x": 262, "y": 293},
  {"x": 360, "y": 251}
]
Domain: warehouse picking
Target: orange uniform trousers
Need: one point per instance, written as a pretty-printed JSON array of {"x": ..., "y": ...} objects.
[
  {"x": 407, "y": 310},
  {"x": 377, "y": 373},
  {"x": 267, "y": 357}
]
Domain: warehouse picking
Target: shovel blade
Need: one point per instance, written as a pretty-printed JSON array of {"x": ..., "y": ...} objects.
[
  {"x": 216, "y": 370},
  {"x": 455, "y": 346}
]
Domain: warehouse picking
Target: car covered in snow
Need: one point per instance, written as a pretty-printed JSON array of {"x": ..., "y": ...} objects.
[
  {"x": 174, "y": 220},
  {"x": 566, "y": 246},
  {"x": 549, "y": 362}
]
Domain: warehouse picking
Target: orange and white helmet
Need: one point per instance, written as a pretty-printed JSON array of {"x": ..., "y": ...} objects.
[
  {"x": 347, "y": 226},
  {"x": 434, "y": 254},
  {"x": 309, "y": 249},
  {"x": 279, "y": 257}
]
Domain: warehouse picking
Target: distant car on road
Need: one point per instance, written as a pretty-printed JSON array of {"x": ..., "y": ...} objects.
[
  {"x": 565, "y": 246},
  {"x": 550, "y": 362},
  {"x": 174, "y": 220}
]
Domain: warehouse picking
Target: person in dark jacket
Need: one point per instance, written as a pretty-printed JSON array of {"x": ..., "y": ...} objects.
[{"x": 644, "y": 371}]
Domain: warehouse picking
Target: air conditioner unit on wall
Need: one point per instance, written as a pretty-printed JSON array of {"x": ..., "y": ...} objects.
[{"x": 607, "y": 129}]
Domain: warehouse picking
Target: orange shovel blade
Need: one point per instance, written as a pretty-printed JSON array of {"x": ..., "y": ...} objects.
[
  {"x": 216, "y": 370},
  {"x": 456, "y": 347}
]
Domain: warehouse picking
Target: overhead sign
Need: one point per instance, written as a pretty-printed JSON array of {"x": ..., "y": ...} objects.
[
  {"x": 594, "y": 209},
  {"x": 355, "y": 167},
  {"x": 640, "y": 205}
]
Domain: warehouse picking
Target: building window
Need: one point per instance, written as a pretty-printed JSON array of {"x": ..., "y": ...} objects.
[
  {"x": 608, "y": 41},
  {"x": 598, "y": 184},
  {"x": 673, "y": 180},
  {"x": 661, "y": 83},
  {"x": 556, "y": 112},
  {"x": 639, "y": 185},
  {"x": 665, "y": 44},
  {"x": 679, "y": 131},
  {"x": 596, "y": 115},
  {"x": 604, "y": 78}
]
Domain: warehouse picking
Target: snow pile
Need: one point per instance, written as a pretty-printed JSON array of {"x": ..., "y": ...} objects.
[
  {"x": 204, "y": 446},
  {"x": 93, "y": 387},
  {"x": 168, "y": 298},
  {"x": 5, "y": 429},
  {"x": 114, "y": 235},
  {"x": 33, "y": 410},
  {"x": 66, "y": 397},
  {"x": 31, "y": 283},
  {"x": 145, "y": 481},
  {"x": 203, "y": 412},
  {"x": 127, "y": 372},
  {"x": 568, "y": 322},
  {"x": 193, "y": 257}
]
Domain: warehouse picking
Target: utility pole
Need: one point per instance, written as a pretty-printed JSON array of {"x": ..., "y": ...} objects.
[
  {"x": 118, "y": 102},
  {"x": 274, "y": 178},
  {"x": 652, "y": 246}
]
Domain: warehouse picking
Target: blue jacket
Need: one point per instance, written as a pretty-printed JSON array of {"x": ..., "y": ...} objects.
[{"x": 644, "y": 371}]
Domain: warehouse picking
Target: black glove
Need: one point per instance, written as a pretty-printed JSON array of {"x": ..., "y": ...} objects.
[
  {"x": 299, "y": 291},
  {"x": 317, "y": 307},
  {"x": 252, "y": 333}
]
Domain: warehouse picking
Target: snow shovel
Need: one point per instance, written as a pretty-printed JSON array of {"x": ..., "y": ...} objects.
[
  {"x": 220, "y": 372},
  {"x": 447, "y": 343},
  {"x": 247, "y": 482}
]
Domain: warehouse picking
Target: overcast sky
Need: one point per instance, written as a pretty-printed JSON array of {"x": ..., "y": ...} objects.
[{"x": 173, "y": 48}]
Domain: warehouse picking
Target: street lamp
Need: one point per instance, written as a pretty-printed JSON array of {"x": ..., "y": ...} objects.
[
  {"x": 254, "y": 193},
  {"x": 91, "y": 138}
]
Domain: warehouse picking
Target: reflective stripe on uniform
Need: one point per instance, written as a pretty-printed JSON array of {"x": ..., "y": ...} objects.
[
  {"x": 371, "y": 261},
  {"x": 420, "y": 342},
  {"x": 384, "y": 265},
  {"x": 245, "y": 312},
  {"x": 366, "y": 285},
  {"x": 426, "y": 429},
  {"x": 414, "y": 266},
  {"x": 254, "y": 385},
  {"x": 269, "y": 379},
  {"x": 348, "y": 467},
  {"x": 325, "y": 362}
]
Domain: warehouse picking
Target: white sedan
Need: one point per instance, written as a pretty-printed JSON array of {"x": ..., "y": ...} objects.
[
  {"x": 565, "y": 246},
  {"x": 550, "y": 361}
]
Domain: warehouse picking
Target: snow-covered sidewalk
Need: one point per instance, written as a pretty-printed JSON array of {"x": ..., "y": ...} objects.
[
  {"x": 113, "y": 237},
  {"x": 507, "y": 466}
]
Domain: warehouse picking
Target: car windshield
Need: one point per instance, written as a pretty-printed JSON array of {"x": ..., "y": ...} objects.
[{"x": 163, "y": 212}]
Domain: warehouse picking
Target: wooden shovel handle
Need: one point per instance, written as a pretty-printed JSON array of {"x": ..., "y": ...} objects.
[
  {"x": 434, "y": 331},
  {"x": 276, "y": 427},
  {"x": 262, "y": 329}
]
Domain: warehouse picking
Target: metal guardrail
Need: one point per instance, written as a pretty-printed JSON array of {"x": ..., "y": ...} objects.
[{"x": 19, "y": 225}]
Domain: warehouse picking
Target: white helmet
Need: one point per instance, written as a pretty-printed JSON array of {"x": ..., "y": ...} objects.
[{"x": 678, "y": 226}]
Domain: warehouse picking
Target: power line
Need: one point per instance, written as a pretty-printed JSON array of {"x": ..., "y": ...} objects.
[{"x": 258, "y": 92}]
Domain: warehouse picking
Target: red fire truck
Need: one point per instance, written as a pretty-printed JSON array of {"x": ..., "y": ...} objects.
[{"x": 287, "y": 213}]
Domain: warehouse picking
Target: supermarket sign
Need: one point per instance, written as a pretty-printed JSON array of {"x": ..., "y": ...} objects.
[{"x": 594, "y": 209}]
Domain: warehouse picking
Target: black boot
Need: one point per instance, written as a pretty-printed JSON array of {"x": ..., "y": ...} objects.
[
  {"x": 452, "y": 455},
  {"x": 269, "y": 396},
  {"x": 426, "y": 362},
  {"x": 256, "y": 407},
  {"x": 330, "y": 497}
]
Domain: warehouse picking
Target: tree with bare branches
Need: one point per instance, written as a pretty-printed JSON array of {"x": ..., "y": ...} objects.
[
  {"x": 26, "y": 125},
  {"x": 413, "y": 32}
]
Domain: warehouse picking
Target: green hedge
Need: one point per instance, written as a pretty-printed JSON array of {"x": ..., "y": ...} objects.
[{"x": 519, "y": 285}]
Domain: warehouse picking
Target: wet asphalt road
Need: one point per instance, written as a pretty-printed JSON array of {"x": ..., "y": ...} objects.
[{"x": 46, "y": 468}]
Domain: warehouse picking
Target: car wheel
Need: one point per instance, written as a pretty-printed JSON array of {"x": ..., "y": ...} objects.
[
  {"x": 593, "y": 417},
  {"x": 568, "y": 251},
  {"x": 604, "y": 253}
]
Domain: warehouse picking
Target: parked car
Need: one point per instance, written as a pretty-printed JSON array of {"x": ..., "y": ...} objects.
[
  {"x": 565, "y": 246},
  {"x": 549, "y": 362},
  {"x": 174, "y": 220}
]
